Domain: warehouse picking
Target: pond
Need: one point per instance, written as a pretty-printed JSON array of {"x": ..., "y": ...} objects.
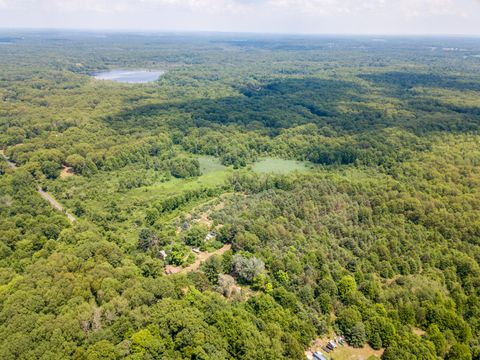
[{"x": 129, "y": 76}]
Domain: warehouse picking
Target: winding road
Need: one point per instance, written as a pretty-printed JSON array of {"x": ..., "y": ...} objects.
[{"x": 54, "y": 203}]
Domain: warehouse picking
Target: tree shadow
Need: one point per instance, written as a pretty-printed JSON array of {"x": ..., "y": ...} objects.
[
  {"x": 407, "y": 80},
  {"x": 286, "y": 103},
  {"x": 277, "y": 104}
]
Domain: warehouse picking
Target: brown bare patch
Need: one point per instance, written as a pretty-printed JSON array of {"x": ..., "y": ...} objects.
[
  {"x": 418, "y": 331},
  {"x": 342, "y": 352},
  {"x": 200, "y": 258},
  {"x": 392, "y": 280},
  {"x": 204, "y": 218},
  {"x": 67, "y": 171}
]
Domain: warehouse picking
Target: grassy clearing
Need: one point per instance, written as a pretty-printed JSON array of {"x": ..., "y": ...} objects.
[
  {"x": 344, "y": 352},
  {"x": 103, "y": 187},
  {"x": 213, "y": 174},
  {"x": 98, "y": 193},
  {"x": 350, "y": 353},
  {"x": 210, "y": 164},
  {"x": 280, "y": 166}
]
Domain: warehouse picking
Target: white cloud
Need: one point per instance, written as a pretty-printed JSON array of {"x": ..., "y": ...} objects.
[
  {"x": 429, "y": 7},
  {"x": 327, "y": 7},
  {"x": 330, "y": 16},
  {"x": 365, "y": 7}
]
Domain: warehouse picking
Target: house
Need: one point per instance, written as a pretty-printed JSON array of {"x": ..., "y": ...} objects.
[
  {"x": 331, "y": 345},
  {"x": 317, "y": 355},
  {"x": 340, "y": 340},
  {"x": 211, "y": 235}
]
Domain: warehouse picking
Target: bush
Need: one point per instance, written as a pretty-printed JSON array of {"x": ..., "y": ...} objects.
[
  {"x": 184, "y": 167},
  {"x": 247, "y": 268}
]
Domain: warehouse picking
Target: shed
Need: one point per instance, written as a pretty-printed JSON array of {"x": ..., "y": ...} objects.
[
  {"x": 331, "y": 345},
  {"x": 211, "y": 235},
  {"x": 317, "y": 355}
]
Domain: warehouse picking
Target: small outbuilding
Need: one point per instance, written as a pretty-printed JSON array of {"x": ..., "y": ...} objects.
[
  {"x": 317, "y": 355},
  {"x": 211, "y": 235},
  {"x": 331, "y": 345}
]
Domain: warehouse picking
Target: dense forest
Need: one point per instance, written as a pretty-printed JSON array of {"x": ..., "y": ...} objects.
[{"x": 267, "y": 193}]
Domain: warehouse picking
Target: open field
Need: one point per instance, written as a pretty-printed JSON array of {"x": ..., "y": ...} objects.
[
  {"x": 280, "y": 166},
  {"x": 344, "y": 352},
  {"x": 101, "y": 193},
  {"x": 213, "y": 174}
]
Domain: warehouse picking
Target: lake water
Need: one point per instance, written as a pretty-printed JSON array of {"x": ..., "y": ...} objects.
[{"x": 129, "y": 76}]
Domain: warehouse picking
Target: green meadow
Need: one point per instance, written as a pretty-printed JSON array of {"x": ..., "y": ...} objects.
[{"x": 280, "y": 166}]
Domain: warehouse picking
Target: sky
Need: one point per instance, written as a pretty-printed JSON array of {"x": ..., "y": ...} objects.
[{"x": 455, "y": 17}]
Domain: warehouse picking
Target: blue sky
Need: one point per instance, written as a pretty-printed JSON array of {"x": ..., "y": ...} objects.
[{"x": 274, "y": 16}]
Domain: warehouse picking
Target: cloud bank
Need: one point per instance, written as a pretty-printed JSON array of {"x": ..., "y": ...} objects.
[{"x": 287, "y": 16}]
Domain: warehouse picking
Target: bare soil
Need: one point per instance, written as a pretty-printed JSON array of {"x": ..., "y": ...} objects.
[
  {"x": 200, "y": 258},
  {"x": 66, "y": 172},
  {"x": 418, "y": 331},
  {"x": 343, "y": 352},
  {"x": 55, "y": 204}
]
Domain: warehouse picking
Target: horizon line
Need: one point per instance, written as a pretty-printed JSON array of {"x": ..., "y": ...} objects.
[{"x": 184, "y": 31}]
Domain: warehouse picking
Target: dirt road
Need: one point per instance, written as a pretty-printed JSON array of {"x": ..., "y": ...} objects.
[
  {"x": 10, "y": 164},
  {"x": 203, "y": 256},
  {"x": 54, "y": 203}
]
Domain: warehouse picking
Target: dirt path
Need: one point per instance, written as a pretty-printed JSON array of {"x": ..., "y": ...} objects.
[
  {"x": 55, "y": 204},
  {"x": 201, "y": 257},
  {"x": 66, "y": 172},
  {"x": 204, "y": 218},
  {"x": 418, "y": 331},
  {"x": 10, "y": 164}
]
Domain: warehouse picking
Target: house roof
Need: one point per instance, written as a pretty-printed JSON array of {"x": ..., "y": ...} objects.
[{"x": 319, "y": 356}]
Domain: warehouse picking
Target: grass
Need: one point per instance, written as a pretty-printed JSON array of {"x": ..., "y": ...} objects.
[
  {"x": 213, "y": 174},
  {"x": 102, "y": 189},
  {"x": 210, "y": 164},
  {"x": 349, "y": 353},
  {"x": 280, "y": 166},
  {"x": 346, "y": 352}
]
